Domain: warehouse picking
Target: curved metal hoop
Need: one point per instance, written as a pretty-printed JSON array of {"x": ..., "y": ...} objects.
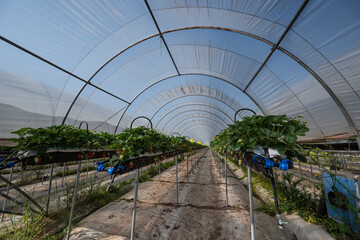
[
  {"x": 87, "y": 125},
  {"x": 131, "y": 125},
  {"x": 175, "y": 133},
  {"x": 243, "y": 109}
]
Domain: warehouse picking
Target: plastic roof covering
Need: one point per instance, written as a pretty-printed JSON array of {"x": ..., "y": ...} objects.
[{"x": 105, "y": 62}]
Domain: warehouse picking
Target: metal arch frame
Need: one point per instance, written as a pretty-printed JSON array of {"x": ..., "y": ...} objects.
[
  {"x": 199, "y": 130},
  {"x": 293, "y": 20},
  {"x": 306, "y": 67},
  {"x": 188, "y": 74},
  {"x": 190, "y": 130},
  {"x": 172, "y": 134},
  {"x": 190, "y": 119},
  {"x": 197, "y": 125},
  {"x": 161, "y": 35},
  {"x": 192, "y": 104},
  {"x": 174, "y": 99},
  {"x": 200, "y": 111},
  {"x": 180, "y": 126},
  {"x": 88, "y": 82},
  {"x": 197, "y": 133},
  {"x": 202, "y": 118}
]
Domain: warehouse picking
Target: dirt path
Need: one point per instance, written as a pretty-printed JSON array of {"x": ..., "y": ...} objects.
[{"x": 200, "y": 214}]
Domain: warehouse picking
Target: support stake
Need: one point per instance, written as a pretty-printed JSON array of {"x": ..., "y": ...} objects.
[
  {"x": 226, "y": 187},
  {"x": 49, "y": 189},
  {"x": 73, "y": 200},
  {"x": 159, "y": 170},
  {"x": 177, "y": 187},
  {"x": 135, "y": 201},
  {"x": 251, "y": 205},
  {"x": 43, "y": 176},
  {"x": 63, "y": 176}
]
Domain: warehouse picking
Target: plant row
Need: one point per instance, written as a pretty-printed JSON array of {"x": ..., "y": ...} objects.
[
  {"x": 129, "y": 143},
  {"x": 273, "y": 131}
]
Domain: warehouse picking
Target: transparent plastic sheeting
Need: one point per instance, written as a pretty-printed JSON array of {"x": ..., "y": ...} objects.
[
  {"x": 195, "y": 88},
  {"x": 217, "y": 47}
]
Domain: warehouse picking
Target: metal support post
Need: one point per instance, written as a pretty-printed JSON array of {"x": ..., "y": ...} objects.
[
  {"x": 177, "y": 187},
  {"x": 159, "y": 170},
  {"x": 274, "y": 191},
  {"x": 63, "y": 176},
  {"x": 73, "y": 201},
  {"x": 226, "y": 187},
  {"x": 49, "y": 189},
  {"x": 251, "y": 205},
  {"x": 311, "y": 170},
  {"x": 7, "y": 193},
  {"x": 87, "y": 168},
  {"x": 43, "y": 176},
  {"x": 187, "y": 166},
  {"x": 219, "y": 166},
  {"x": 135, "y": 201}
]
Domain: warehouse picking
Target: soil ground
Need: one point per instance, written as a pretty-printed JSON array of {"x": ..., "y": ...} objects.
[{"x": 200, "y": 214}]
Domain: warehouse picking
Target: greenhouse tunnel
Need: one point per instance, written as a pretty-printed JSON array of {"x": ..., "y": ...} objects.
[
  {"x": 108, "y": 62},
  {"x": 187, "y": 65}
]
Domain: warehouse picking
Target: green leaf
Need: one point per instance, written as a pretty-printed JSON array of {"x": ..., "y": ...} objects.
[
  {"x": 301, "y": 131},
  {"x": 265, "y": 132},
  {"x": 290, "y": 128},
  {"x": 290, "y": 138},
  {"x": 275, "y": 134},
  {"x": 281, "y": 149}
]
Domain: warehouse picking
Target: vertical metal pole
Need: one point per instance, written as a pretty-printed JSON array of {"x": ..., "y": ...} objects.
[
  {"x": 187, "y": 166},
  {"x": 87, "y": 168},
  {"x": 342, "y": 160},
  {"x": 177, "y": 187},
  {"x": 7, "y": 193},
  {"x": 73, "y": 201},
  {"x": 219, "y": 166},
  {"x": 311, "y": 170},
  {"x": 49, "y": 189},
  {"x": 43, "y": 176},
  {"x": 251, "y": 205},
  {"x": 63, "y": 176},
  {"x": 159, "y": 170},
  {"x": 274, "y": 192},
  {"x": 226, "y": 187},
  {"x": 135, "y": 201}
]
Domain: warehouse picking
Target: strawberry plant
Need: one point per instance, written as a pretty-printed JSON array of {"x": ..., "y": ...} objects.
[
  {"x": 276, "y": 131},
  {"x": 130, "y": 143}
]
